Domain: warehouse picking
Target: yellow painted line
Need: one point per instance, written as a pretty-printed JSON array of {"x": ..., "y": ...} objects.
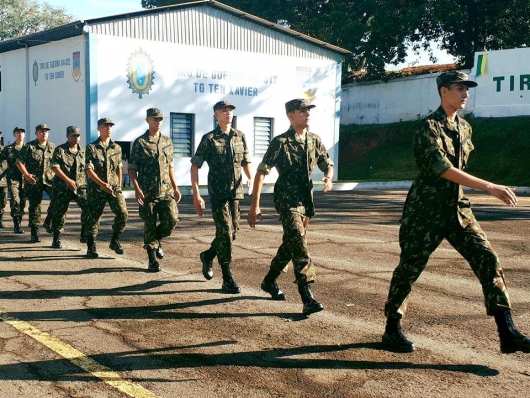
[{"x": 78, "y": 358}]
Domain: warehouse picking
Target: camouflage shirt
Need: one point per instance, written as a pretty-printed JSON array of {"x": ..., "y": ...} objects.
[
  {"x": 225, "y": 154},
  {"x": 37, "y": 160},
  {"x": 3, "y": 169},
  {"x": 104, "y": 161},
  {"x": 152, "y": 158},
  {"x": 295, "y": 162},
  {"x": 72, "y": 164},
  {"x": 10, "y": 154},
  {"x": 438, "y": 145}
]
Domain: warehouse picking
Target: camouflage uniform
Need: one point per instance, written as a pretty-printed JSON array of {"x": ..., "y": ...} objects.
[
  {"x": 436, "y": 209},
  {"x": 3, "y": 187},
  {"x": 293, "y": 196},
  {"x": 72, "y": 164},
  {"x": 15, "y": 180},
  {"x": 152, "y": 159},
  {"x": 37, "y": 160},
  {"x": 225, "y": 154},
  {"x": 105, "y": 162}
]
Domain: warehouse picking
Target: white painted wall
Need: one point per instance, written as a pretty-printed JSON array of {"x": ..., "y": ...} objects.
[
  {"x": 55, "y": 97},
  {"x": 179, "y": 72},
  {"x": 504, "y": 89}
]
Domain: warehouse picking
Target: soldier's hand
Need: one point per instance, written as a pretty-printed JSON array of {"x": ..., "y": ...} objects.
[
  {"x": 108, "y": 189},
  {"x": 139, "y": 196},
  {"x": 177, "y": 195},
  {"x": 72, "y": 185},
  {"x": 30, "y": 178},
  {"x": 249, "y": 186},
  {"x": 504, "y": 194},
  {"x": 198, "y": 203},
  {"x": 254, "y": 214},
  {"x": 328, "y": 184}
]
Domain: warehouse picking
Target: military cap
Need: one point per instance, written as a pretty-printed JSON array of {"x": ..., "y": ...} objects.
[
  {"x": 298, "y": 103},
  {"x": 19, "y": 129},
  {"x": 454, "y": 76},
  {"x": 42, "y": 127},
  {"x": 155, "y": 112},
  {"x": 223, "y": 105},
  {"x": 73, "y": 130},
  {"x": 105, "y": 121}
]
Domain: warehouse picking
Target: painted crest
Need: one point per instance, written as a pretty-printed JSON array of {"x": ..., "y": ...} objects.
[
  {"x": 140, "y": 73},
  {"x": 35, "y": 72},
  {"x": 76, "y": 73}
]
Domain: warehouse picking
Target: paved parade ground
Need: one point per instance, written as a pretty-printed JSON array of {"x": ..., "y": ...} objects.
[{"x": 77, "y": 327}]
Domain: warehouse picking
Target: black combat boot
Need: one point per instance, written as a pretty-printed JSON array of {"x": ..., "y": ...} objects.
[
  {"x": 91, "y": 251},
  {"x": 115, "y": 243},
  {"x": 159, "y": 252},
  {"x": 56, "y": 243},
  {"x": 154, "y": 266},
  {"x": 207, "y": 265},
  {"x": 394, "y": 337},
  {"x": 229, "y": 284},
  {"x": 17, "y": 228},
  {"x": 34, "y": 234},
  {"x": 82, "y": 236},
  {"x": 1, "y": 220},
  {"x": 512, "y": 340},
  {"x": 269, "y": 285},
  {"x": 310, "y": 304}
]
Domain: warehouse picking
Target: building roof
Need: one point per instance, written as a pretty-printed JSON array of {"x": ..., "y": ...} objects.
[{"x": 78, "y": 27}]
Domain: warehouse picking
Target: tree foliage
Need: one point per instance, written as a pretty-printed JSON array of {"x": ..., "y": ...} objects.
[
  {"x": 23, "y": 17},
  {"x": 379, "y": 32}
]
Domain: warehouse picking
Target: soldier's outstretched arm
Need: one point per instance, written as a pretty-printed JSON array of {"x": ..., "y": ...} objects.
[{"x": 503, "y": 193}]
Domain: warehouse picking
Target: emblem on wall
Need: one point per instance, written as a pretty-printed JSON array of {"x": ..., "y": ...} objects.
[
  {"x": 35, "y": 72},
  {"x": 140, "y": 73},
  {"x": 76, "y": 73}
]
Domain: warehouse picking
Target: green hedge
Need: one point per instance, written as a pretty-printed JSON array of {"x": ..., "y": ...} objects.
[{"x": 384, "y": 152}]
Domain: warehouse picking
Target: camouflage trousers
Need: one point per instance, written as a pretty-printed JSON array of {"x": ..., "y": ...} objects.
[
  {"x": 167, "y": 212},
  {"x": 294, "y": 248},
  {"x": 226, "y": 217},
  {"x": 96, "y": 204},
  {"x": 34, "y": 195},
  {"x": 3, "y": 199},
  {"x": 59, "y": 206},
  {"x": 18, "y": 198},
  {"x": 419, "y": 241}
]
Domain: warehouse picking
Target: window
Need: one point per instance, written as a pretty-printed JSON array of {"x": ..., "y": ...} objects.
[
  {"x": 263, "y": 129},
  {"x": 234, "y": 122},
  {"x": 182, "y": 129}
]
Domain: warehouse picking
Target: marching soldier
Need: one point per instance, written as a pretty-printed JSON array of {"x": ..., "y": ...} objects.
[
  {"x": 34, "y": 163},
  {"x": 156, "y": 190},
  {"x": 104, "y": 172},
  {"x": 225, "y": 150},
  {"x": 294, "y": 154},
  {"x": 68, "y": 164},
  {"x": 15, "y": 181}
]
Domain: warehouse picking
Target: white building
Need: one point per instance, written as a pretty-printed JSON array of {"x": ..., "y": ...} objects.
[{"x": 181, "y": 59}]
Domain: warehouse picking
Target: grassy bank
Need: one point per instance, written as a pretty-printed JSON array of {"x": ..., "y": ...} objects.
[{"x": 384, "y": 152}]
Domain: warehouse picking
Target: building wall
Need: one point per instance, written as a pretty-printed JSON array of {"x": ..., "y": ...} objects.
[
  {"x": 56, "y": 92},
  {"x": 190, "y": 79},
  {"x": 504, "y": 84}
]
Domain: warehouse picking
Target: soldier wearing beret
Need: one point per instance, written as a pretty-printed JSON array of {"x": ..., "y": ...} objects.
[
  {"x": 68, "y": 164},
  {"x": 155, "y": 186},
  {"x": 225, "y": 151},
  {"x": 104, "y": 172},
  {"x": 34, "y": 163},
  {"x": 294, "y": 154},
  {"x": 15, "y": 181},
  {"x": 436, "y": 209}
]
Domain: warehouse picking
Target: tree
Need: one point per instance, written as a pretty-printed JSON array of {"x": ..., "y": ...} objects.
[
  {"x": 23, "y": 17},
  {"x": 379, "y": 32}
]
